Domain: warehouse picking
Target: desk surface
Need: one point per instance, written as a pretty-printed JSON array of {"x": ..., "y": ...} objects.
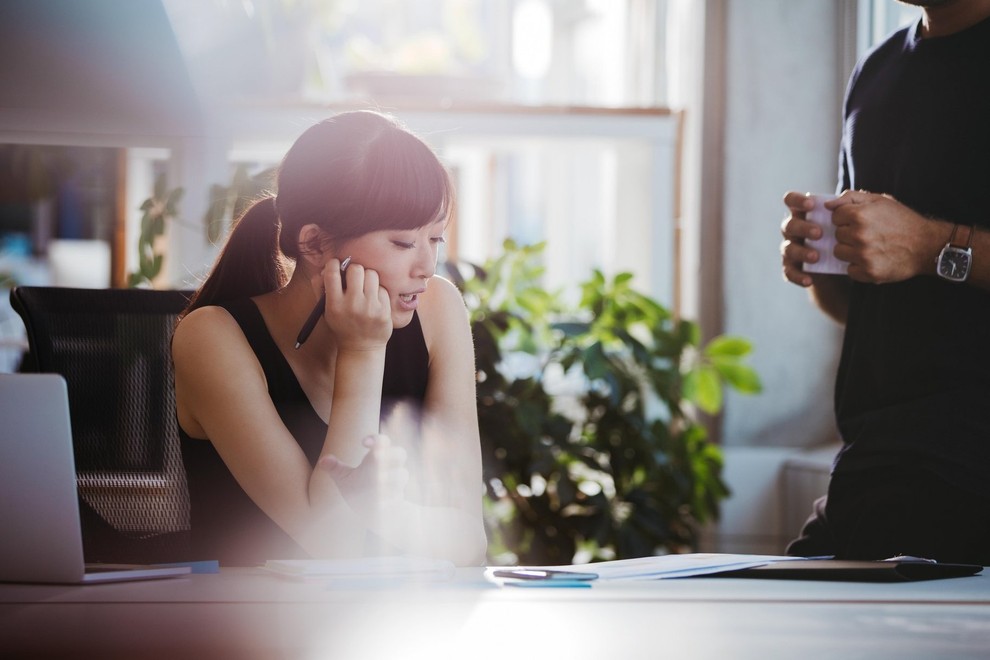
[{"x": 243, "y": 613}]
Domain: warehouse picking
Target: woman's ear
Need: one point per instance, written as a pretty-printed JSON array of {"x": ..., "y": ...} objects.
[{"x": 313, "y": 246}]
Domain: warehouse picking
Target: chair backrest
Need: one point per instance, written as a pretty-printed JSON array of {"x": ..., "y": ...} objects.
[{"x": 113, "y": 348}]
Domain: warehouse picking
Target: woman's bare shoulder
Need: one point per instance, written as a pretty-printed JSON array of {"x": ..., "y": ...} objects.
[
  {"x": 443, "y": 295},
  {"x": 208, "y": 334},
  {"x": 204, "y": 325},
  {"x": 442, "y": 304},
  {"x": 443, "y": 314}
]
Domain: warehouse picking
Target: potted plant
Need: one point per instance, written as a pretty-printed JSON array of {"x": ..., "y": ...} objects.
[
  {"x": 155, "y": 211},
  {"x": 228, "y": 202},
  {"x": 588, "y": 415}
]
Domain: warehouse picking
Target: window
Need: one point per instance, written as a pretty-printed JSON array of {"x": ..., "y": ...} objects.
[
  {"x": 571, "y": 52},
  {"x": 878, "y": 18},
  {"x": 596, "y": 184},
  {"x": 548, "y": 112}
]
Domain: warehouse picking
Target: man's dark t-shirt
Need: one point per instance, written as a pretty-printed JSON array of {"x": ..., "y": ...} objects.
[{"x": 913, "y": 384}]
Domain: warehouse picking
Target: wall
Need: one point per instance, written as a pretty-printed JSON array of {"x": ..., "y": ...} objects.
[
  {"x": 774, "y": 78},
  {"x": 781, "y": 131}
]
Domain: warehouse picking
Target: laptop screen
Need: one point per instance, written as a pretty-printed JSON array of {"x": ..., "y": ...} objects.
[
  {"x": 41, "y": 538},
  {"x": 39, "y": 506}
]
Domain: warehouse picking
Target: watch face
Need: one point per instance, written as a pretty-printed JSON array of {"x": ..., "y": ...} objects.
[{"x": 953, "y": 263}]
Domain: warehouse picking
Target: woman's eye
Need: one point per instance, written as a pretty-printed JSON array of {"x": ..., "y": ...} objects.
[
  {"x": 404, "y": 245},
  {"x": 439, "y": 239}
]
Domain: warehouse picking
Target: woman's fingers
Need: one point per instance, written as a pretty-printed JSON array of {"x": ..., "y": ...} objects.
[{"x": 378, "y": 480}]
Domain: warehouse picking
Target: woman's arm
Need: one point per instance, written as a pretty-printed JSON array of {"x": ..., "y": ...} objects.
[
  {"x": 222, "y": 394},
  {"x": 446, "y": 518}
]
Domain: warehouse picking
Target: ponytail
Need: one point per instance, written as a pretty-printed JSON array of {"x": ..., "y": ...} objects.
[{"x": 250, "y": 263}]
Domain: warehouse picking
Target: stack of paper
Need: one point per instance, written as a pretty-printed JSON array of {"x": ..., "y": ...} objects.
[
  {"x": 895, "y": 569},
  {"x": 672, "y": 566}
]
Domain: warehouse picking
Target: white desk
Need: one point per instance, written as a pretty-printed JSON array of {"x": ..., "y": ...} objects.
[{"x": 248, "y": 614}]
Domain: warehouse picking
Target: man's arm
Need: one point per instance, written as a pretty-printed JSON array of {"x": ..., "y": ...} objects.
[
  {"x": 885, "y": 241},
  {"x": 831, "y": 294}
]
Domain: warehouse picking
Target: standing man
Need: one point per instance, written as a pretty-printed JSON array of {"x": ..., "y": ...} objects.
[{"x": 912, "y": 394}]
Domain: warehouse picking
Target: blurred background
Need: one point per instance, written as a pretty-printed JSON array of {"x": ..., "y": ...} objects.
[{"x": 651, "y": 136}]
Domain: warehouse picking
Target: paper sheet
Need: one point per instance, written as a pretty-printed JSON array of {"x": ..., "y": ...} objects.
[{"x": 672, "y": 566}]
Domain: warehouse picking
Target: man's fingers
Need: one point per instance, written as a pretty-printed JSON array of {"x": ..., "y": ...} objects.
[
  {"x": 800, "y": 229},
  {"x": 799, "y": 202},
  {"x": 850, "y": 197},
  {"x": 796, "y": 276},
  {"x": 798, "y": 253}
]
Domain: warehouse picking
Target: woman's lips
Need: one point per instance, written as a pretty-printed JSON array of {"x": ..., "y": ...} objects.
[{"x": 409, "y": 301}]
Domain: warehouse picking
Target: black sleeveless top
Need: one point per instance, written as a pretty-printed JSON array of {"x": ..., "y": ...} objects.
[{"x": 225, "y": 523}]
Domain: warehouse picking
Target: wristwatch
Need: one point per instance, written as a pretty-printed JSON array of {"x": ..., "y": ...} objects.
[{"x": 954, "y": 260}]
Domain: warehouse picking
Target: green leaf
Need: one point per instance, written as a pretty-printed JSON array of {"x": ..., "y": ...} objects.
[
  {"x": 572, "y": 328},
  {"x": 595, "y": 362},
  {"x": 688, "y": 333},
  {"x": 727, "y": 345},
  {"x": 740, "y": 377},
  {"x": 703, "y": 387}
]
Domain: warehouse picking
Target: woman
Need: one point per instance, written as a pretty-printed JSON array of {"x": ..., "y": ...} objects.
[{"x": 282, "y": 444}]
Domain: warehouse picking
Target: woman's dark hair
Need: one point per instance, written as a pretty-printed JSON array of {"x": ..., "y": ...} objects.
[{"x": 351, "y": 174}]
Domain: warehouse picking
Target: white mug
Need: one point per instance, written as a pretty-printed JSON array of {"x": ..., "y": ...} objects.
[{"x": 827, "y": 263}]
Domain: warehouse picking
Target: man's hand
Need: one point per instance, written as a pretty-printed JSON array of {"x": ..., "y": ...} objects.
[
  {"x": 883, "y": 240},
  {"x": 795, "y": 229},
  {"x": 829, "y": 292}
]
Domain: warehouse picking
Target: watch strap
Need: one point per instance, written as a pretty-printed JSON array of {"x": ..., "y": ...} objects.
[{"x": 967, "y": 234}]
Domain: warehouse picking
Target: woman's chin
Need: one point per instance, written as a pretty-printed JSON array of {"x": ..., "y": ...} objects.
[{"x": 401, "y": 318}]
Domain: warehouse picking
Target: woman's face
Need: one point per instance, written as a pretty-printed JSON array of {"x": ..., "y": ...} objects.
[{"x": 405, "y": 260}]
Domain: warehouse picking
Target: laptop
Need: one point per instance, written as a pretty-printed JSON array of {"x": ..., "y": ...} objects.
[{"x": 40, "y": 532}]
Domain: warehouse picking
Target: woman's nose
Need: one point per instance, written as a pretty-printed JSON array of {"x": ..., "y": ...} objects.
[{"x": 426, "y": 261}]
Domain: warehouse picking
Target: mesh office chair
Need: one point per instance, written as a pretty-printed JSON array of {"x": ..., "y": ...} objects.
[{"x": 112, "y": 347}]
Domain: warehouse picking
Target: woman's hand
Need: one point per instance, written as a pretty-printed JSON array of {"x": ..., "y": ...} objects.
[
  {"x": 377, "y": 483},
  {"x": 360, "y": 315}
]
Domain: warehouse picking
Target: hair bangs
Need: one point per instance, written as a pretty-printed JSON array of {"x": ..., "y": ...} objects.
[{"x": 406, "y": 186}]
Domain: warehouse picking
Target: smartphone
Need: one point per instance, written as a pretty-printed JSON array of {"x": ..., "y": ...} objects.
[{"x": 543, "y": 574}]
